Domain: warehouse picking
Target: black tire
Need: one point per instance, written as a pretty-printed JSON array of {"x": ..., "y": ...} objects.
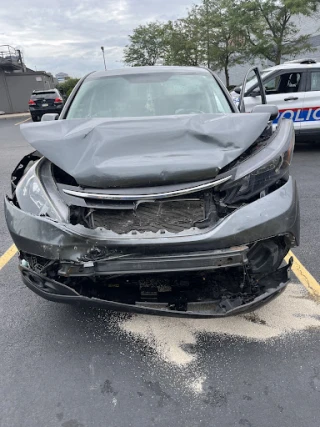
[{"x": 35, "y": 118}]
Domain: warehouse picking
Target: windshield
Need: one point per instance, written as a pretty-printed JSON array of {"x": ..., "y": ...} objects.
[{"x": 154, "y": 94}]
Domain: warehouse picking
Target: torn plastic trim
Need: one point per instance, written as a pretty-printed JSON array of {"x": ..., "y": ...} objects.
[
  {"x": 50, "y": 187},
  {"x": 57, "y": 292},
  {"x": 32, "y": 197},
  {"x": 22, "y": 167},
  {"x": 175, "y": 193}
]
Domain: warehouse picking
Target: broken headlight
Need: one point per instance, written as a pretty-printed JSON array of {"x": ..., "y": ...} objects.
[
  {"x": 263, "y": 170},
  {"x": 32, "y": 197}
]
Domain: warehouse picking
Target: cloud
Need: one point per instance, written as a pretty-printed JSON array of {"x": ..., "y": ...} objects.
[{"x": 66, "y": 36}]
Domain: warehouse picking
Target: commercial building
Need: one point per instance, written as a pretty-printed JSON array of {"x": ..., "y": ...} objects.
[
  {"x": 62, "y": 77},
  {"x": 17, "y": 81}
]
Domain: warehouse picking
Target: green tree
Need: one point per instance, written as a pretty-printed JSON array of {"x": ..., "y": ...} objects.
[
  {"x": 66, "y": 87},
  {"x": 223, "y": 35},
  {"x": 184, "y": 41},
  {"x": 271, "y": 30},
  {"x": 210, "y": 35},
  {"x": 148, "y": 44}
]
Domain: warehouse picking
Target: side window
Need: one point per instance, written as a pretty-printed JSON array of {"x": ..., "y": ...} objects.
[
  {"x": 285, "y": 83},
  {"x": 315, "y": 81},
  {"x": 272, "y": 85}
]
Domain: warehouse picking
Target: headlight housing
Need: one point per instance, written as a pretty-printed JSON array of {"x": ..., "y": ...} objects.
[
  {"x": 32, "y": 197},
  {"x": 262, "y": 170}
]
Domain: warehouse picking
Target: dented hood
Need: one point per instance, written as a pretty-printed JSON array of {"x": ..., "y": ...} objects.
[{"x": 142, "y": 152}]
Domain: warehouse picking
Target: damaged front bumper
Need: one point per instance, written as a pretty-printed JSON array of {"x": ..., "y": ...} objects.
[
  {"x": 247, "y": 247},
  {"x": 273, "y": 284},
  {"x": 276, "y": 214}
]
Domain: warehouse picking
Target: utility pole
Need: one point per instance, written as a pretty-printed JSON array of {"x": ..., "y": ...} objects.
[{"x": 104, "y": 60}]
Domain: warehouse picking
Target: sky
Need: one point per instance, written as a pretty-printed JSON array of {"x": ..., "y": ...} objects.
[{"x": 67, "y": 35}]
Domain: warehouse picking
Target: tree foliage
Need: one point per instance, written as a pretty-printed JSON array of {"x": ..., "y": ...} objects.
[
  {"x": 66, "y": 87},
  {"x": 271, "y": 30},
  {"x": 222, "y": 33},
  {"x": 184, "y": 41},
  {"x": 147, "y": 45}
]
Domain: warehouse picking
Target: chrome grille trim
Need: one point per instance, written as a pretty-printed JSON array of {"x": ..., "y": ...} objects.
[{"x": 99, "y": 196}]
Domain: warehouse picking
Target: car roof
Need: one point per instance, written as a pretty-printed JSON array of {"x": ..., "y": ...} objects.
[
  {"x": 148, "y": 70},
  {"x": 296, "y": 64},
  {"x": 45, "y": 91}
]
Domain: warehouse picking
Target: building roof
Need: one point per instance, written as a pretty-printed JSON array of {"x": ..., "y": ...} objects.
[{"x": 61, "y": 74}]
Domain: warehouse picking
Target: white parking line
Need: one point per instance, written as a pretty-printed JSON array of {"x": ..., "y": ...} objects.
[{"x": 16, "y": 124}]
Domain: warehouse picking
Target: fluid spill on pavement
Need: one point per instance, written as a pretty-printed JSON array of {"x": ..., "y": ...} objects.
[
  {"x": 196, "y": 385},
  {"x": 292, "y": 312}
]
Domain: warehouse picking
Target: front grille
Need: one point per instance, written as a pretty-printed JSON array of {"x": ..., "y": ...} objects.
[{"x": 172, "y": 216}]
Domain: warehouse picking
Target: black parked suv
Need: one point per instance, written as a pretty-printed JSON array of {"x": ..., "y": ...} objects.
[{"x": 45, "y": 101}]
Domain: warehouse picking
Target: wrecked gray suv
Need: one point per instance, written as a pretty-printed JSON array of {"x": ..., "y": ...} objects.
[{"x": 152, "y": 193}]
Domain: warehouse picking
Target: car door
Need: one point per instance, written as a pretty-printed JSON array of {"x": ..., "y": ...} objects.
[
  {"x": 286, "y": 90},
  {"x": 311, "y": 105}
]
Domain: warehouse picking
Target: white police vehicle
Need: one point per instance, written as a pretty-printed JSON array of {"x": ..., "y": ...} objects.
[{"x": 294, "y": 87}]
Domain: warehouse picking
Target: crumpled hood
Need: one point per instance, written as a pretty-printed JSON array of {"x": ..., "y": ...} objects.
[{"x": 142, "y": 152}]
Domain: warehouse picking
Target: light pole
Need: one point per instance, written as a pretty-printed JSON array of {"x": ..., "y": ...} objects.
[{"x": 104, "y": 60}]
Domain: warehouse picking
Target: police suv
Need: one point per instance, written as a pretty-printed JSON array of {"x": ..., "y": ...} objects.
[{"x": 294, "y": 87}]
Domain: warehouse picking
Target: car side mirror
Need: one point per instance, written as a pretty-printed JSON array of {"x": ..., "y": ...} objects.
[
  {"x": 48, "y": 117},
  {"x": 273, "y": 110},
  {"x": 237, "y": 89}
]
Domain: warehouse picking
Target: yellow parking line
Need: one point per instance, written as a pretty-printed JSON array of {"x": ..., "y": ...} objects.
[
  {"x": 6, "y": 257},
  {"x": 23, "y": 121},
  {"x": 306, "y": 278}
]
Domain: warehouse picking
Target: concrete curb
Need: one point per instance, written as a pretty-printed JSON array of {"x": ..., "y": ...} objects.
[{"x": 14, "y": 116}]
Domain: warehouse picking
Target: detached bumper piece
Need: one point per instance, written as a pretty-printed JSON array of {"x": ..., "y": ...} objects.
[{"x": 220, "y": 292}]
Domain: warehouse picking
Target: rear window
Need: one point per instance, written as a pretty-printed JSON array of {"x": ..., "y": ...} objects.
[
  {"x": 46, "y": 95},
  {"x": 315, "y": 81},
  {"x": 154, "y": 94}
]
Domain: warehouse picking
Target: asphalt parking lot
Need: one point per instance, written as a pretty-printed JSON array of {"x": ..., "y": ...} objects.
[{"x": 69, "y": 367}]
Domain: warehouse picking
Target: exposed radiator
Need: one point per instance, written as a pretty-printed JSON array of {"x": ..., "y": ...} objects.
[{"x": 173, "y": 216}]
